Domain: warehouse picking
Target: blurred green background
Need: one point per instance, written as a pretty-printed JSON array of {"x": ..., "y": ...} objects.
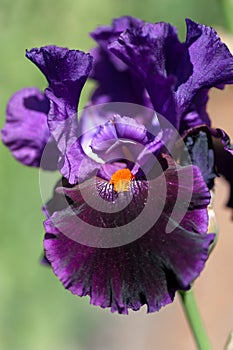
[{"x": 35, "y": 311}]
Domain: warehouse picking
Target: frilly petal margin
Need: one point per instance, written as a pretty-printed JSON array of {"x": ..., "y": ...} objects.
[
  {"x": 26, "y": 131},
  {"x": 66, "y": 71},
  {"x": 146, "y": 271},
  {"x": 211, "y": 59}
]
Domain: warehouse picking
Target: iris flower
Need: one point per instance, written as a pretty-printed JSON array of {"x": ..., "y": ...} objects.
[{"x": 114, "y": 230}]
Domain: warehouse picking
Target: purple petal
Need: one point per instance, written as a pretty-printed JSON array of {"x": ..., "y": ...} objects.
[
  {"x": 66, "y": 71},
  {"x": 146, "y": 271},
  {"x": 145, "y": 50},
  {"x": 212, "y": 63},
  {"x": 26, "y": 131},
  {"x": 104, "y": 35},
  {"x": 115, "y": 85},
  {"x": 196, "y": 114},
  {"x": 116, "y": 81},
  {"x": 148, "y": 157},
  {"x": 120, "y": 138},
  {"x": 95, "y": 116}
]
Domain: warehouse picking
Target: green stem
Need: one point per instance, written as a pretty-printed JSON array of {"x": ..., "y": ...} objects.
[{"x": 195, "y": 321}]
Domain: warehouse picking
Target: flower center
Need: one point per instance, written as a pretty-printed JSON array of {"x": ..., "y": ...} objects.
[{"x": 121, "y": 180}]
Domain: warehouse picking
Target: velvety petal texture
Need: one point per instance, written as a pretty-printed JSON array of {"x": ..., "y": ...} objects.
[
  {"x": 146, "y": 271},
  {"x": 26, "y": 131}
]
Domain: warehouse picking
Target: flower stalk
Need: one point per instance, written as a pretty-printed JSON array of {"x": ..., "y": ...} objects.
[{"x": 194, "y": 320}]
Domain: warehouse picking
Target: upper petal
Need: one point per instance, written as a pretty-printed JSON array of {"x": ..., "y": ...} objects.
[
  {"x": 104, "y": 35},
  {"x": 66, "y": 71},
  {"x": 116, "y": 81},
  {"x": 145, "y": 50},
  {"x": 212, "y": 62},
  {"x": 115, "y": 85}
]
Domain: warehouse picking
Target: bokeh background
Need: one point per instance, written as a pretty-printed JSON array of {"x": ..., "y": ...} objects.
[{"x": 35, "y": 311}]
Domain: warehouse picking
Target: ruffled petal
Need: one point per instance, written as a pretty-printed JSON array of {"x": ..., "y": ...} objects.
[
  {"x": 66, "y": 71},
  {"x": 26, "y": 131},
  {"x": 146, "y": 271},
  {"x": 104, "y": 35},
  {"x": 212, "y": 63},
  {"x": 147, "y": 50},
  {"x": 116, "y": 81}
]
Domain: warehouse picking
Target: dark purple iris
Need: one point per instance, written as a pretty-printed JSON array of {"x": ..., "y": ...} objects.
[{"x": 114, "y": 230}]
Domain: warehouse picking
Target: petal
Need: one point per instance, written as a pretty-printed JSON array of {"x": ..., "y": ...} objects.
[
  {"x": 150, "y": 154},
  {"x": 26, "y": 132},
  {"x": 66, "y": 71},
  {"x": 104, "y": 35},
  {"x": 120, "y": 138},
  {"x": 196, "y": 115},
  {"x": 211, "y": 59},
  {"x": 115, "y": 85},
  {"x": 146, "y": 271},
  {"x": 145, "y": 50},
  {"x": 96, "y": 114},
  {"x": 116, "y": 81}
]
